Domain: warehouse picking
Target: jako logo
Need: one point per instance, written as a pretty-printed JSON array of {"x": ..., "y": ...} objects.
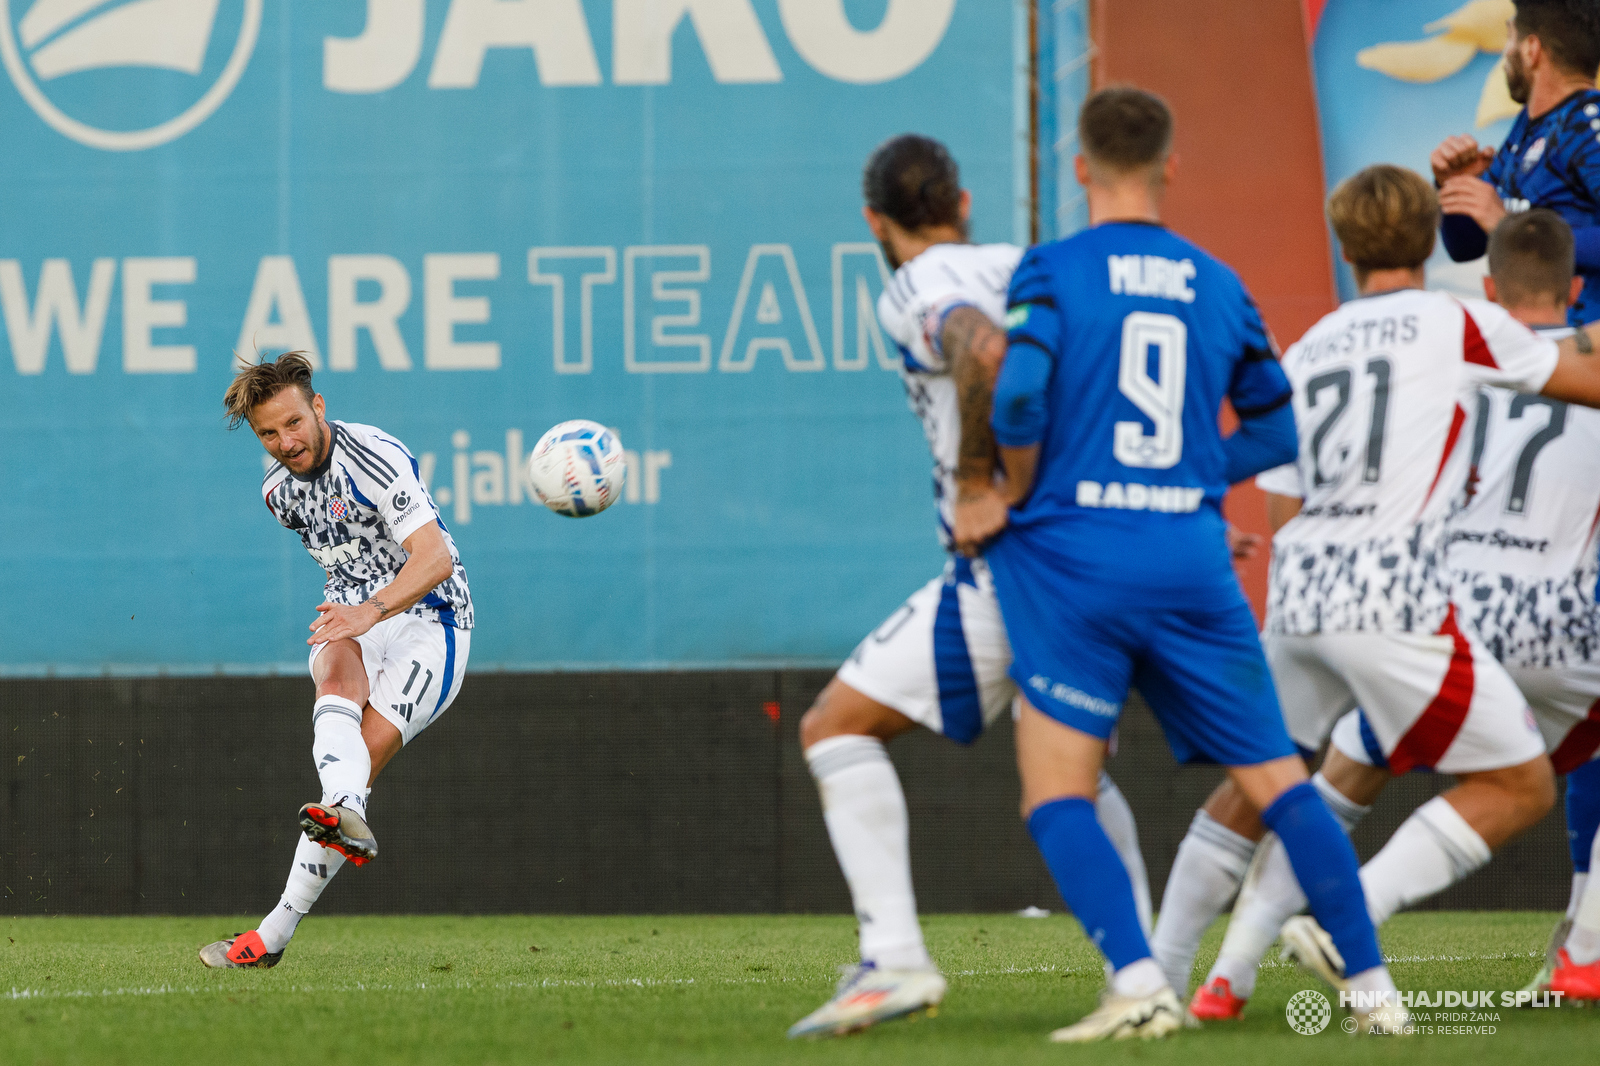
[{"x": 144, "y": 41}]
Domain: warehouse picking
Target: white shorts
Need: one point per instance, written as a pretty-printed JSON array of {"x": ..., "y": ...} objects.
[
  {"x": 1438, "y": 701},
  {"x": 941, "y": 658},
  {"x": 1566, "y": 705},
  {"x": 414, "y": 669}
]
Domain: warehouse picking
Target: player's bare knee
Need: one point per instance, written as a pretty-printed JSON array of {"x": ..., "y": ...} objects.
[
  {"x": 1230, "y": 807},
  {"x": 840, "y": 710},
  {"x": 1355, "y": 781},
  {"x": 339, "y": 672},
  {"x": 1536, "y": 789},
  {"x": 1523, "y": 793},
  {"x": 814, "y": 724}
]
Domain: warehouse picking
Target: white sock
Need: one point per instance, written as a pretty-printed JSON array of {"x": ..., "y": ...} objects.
[
  {"x": 1579, "y": 883},
  {"x": 1347, "y": 810},
  {"x": 314, "y": 866},
  {"x": 1210, "y": 864},
  {"x": 1139, "y": 979},
  {"x": 1269, "y": 897},
  {"x": 1432, "y": 850},
  {"x": 343, "y": 762},
  {"x": 1583, "y": 943},
  {"x": 866, "y": 815},
  {"x": 1116, "y": 818},
  {"x": 277, "y": 928},
  {"x": 1376, "y": 979}
]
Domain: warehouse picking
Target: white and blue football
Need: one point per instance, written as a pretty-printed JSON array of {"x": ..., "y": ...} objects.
[{"x": 577, "y": 468}]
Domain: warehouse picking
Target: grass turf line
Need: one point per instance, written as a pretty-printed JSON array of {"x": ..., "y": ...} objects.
[{"x": 680, "y": 989}]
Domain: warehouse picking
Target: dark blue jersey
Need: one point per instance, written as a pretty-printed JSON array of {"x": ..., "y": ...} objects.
[
  {"x": 1552, "y": 161},
  {"x": 1145, "y": 335}
]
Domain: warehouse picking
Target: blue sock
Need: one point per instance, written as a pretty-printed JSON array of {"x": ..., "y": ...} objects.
[
  {"x": 1583, "y": 813},
  {"x": 1091, "y": 877},
  {"x": 1325, "y": 864}
]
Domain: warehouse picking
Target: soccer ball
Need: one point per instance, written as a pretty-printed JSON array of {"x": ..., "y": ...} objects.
[{"x": 577, "y": 468}]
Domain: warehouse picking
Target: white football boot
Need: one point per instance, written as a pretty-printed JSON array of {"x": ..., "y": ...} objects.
[
  {"x": 1309, "y": 944},
  {"x": 1123, "y": 1017},
  {"x": 868, "y": 995}
]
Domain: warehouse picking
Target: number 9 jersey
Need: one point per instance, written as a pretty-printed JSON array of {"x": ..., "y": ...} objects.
[
  {"x": 1146, "y": 334},
  {"x": 1382, "y": 391}
]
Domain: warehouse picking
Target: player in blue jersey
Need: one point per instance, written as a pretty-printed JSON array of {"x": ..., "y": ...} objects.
[
  {"x": 940, "y": 660},
  {"x": 1114, "y": 571},
  {"x": 1551, "y": 157}
]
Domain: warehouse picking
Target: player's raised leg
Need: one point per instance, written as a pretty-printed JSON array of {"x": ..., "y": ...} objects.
[{"x": 346, "y": 759}]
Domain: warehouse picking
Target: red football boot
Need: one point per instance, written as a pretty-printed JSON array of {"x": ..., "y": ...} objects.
[
  {"x": 1215, "y": 1002},
  {"x": 1574, "y": 981}
]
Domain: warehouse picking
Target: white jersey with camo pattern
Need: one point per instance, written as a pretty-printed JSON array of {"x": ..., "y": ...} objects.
[
  {"x": 913, "y": 309},
  {"x": 1382, "y": 390},
  {"x": 1522, "y": 550},
  {"x": 354, "y": 514}
]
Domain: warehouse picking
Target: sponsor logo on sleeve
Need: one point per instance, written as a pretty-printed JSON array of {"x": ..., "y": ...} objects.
[{"x": 404, "y": 505}]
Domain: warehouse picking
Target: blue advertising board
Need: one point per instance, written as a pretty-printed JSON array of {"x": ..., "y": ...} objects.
[{"x": 483, "y": 217}]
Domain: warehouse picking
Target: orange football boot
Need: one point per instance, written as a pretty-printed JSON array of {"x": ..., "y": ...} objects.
[
  {"x": 242, "y": 952},
  {"x": 1215, "y": 1002},
  {"x": 1574, "y": 981}
]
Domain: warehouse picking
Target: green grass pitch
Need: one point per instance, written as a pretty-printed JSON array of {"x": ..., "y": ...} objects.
[{"x": 445, "y": 990}]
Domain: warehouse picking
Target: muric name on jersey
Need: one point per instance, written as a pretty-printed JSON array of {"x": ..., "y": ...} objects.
[
  {"x": 1172, "y": 499},
  {"x": 330, "y": 557},
  {"x": 1151, "y": 275}
]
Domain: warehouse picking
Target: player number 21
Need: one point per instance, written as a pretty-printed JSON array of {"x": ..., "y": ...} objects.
[{"x": 1158, "y": 398}]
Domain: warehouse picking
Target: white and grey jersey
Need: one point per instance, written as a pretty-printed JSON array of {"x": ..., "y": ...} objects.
[
  {"x": 354, "y": 513},
  {"x": 913, "y": 309},
  {"x": 1523, "y": 547},
  {"x": 1382, "y": 390}
]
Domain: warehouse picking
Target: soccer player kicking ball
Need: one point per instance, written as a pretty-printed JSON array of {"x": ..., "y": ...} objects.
[
  {"x": 389, "y": 645},
  {"x": 1114, "y": 568},
  {"x": 1522, "y": 562},
  {"x": 940, "y": 660}
]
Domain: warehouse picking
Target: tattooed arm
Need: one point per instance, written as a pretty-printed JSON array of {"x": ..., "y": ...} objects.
[{"x": 975, "y": 347}]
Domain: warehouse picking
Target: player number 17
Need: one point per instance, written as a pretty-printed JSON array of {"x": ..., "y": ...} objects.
[{"x": 1158, "y": 398}]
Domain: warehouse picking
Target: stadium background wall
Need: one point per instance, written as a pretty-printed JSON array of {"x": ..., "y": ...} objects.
[{"x": 636, "y": 792}]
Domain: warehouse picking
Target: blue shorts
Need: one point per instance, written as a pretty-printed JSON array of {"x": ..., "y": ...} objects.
[{"x": 1078, "y": 646}]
